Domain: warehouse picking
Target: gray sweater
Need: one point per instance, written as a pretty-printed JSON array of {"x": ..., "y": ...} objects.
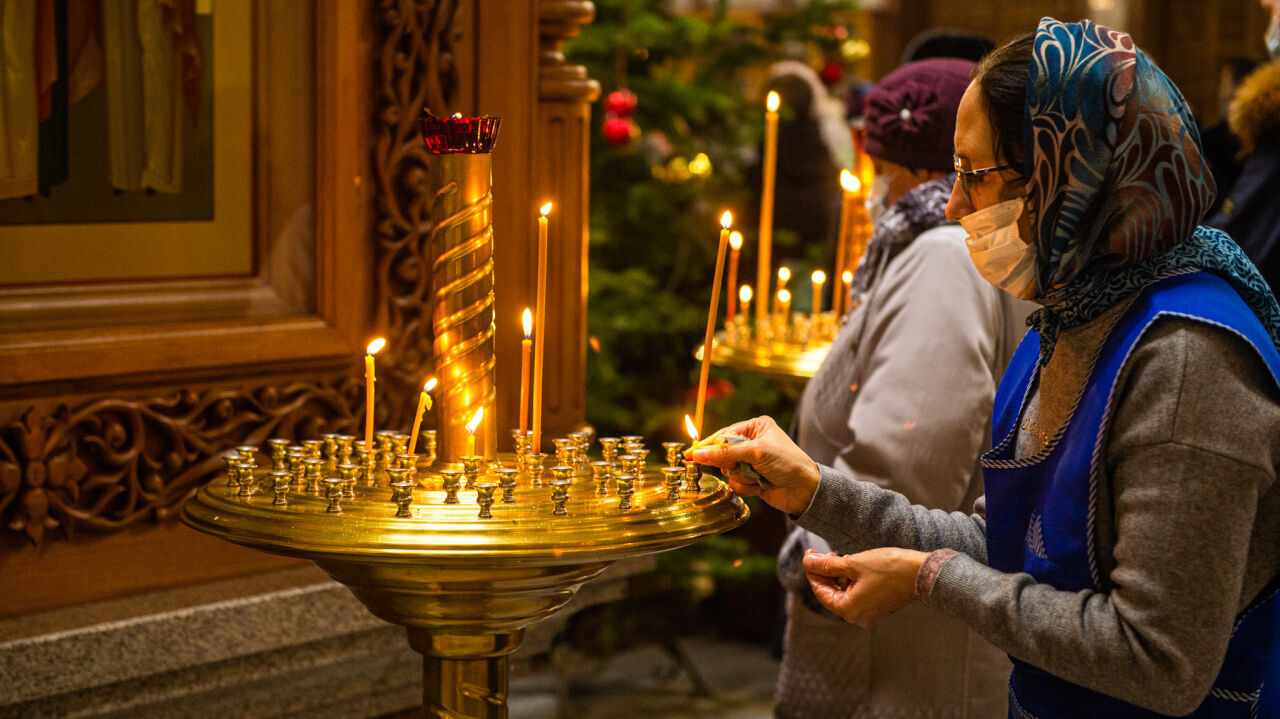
[{"x": 1187, "y": 530}]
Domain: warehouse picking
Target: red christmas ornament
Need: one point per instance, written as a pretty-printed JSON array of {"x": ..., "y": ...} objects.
[
  {"x": 619, "y": 131},
  {"x": 831, "y": 73},
  {"x": 620, "y": 102}
]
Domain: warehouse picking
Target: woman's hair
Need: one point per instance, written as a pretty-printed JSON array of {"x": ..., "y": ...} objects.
[{"x": 1002, "y": 90}]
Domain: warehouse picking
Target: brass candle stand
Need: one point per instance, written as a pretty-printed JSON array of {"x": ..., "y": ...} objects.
[
  {"x": 463, "y": 569},
  {"x": 785, "y": 348}
]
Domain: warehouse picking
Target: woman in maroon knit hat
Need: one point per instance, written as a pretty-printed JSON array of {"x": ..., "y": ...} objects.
[{"x": 886, "y": 407}]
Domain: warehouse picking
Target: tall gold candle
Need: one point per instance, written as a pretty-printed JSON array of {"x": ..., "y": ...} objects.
[
  {"x": 818, "y": 277},
  {"x": 846, "y": 278},
  {"x": 764, "y": 261},
  {"x": 725, "y": 221},
  {"x": 540, "y": 321},
  {"x": 735, "y": 245},
  {"x": 369, "y": 380},
  {"x": 784, "y": 276},
  {"x": 744, "y": 296},
  {"x": 850, "y": 185},
  {"x": 784, "y": 304},
  {"x": 525, "y": 346},
  {"x": 424, "y": 403}
]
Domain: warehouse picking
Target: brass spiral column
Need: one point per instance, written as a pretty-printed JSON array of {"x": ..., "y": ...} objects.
[{"x": 461, "y": 244}]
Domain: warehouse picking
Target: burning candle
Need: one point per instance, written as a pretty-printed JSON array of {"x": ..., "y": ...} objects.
[
  {"x": 692, "y": 430},
  {"x": 766, "y": 201},
  {"x": 540, "y": 321},
  {"x": 472, "y": 426},
  {"x": 725, "y": 221},
  {"x": 526, "y": 345},
  {"x": 424, "y": 403},
  {"x": 744, "y": 295},
  {"x": 784, "y": 276},
  {"x": 818, "y": 277},
  {"x": 735, "y": 244},
  {"x": 851, "y": 186},
  {"x": 370, "y": 351},
  {"x": 846, "y": 278},
  {"x": 784, "y": 303}
]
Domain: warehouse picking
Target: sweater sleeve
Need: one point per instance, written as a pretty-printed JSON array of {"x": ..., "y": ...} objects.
[
  {"x": 1185, "y": 483},
  {"x": 923, "y": 401}
]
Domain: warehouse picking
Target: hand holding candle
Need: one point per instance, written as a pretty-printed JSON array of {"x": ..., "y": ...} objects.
[
  {"x": 726, "y": 220},
  {"x": 540, "y": 320},
  {"x": 525, "y": 345},
  {"x": 370, "y": 351},
  {"x": 424, "y": 403}
]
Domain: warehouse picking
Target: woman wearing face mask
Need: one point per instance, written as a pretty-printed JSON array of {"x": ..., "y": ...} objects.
[
  {"x": 1125, "y": 554},
  {"x": 903, "y": 400}
]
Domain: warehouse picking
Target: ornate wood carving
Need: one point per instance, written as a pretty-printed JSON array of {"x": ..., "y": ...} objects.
[
  {"x": 415, "y": 69},
  {"x": 107, "y": 463}
]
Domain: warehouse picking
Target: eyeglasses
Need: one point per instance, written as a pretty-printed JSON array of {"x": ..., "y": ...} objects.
[{"x": 964, "y": 176}]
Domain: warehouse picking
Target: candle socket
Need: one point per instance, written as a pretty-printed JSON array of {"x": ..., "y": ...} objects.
[
  {"x": 535, "y": 468},
  {"x": 280, "y": 484},
  {"x": 602, "y": 471},
  {"x": 625, "y": 490},
  {"x": 246, "y": 479},
  {"x": 560, "y": 490},
  {"x": 609, "y": 448},
  {"x": 672, "y": 479},
  {"x": 484, "y": 498},
  {"x": 329, "y": 447},
  {"x": 630, "y": 465},
  {"x": 471, "y": 469},
  {"x": 346, "y": 443},
  {"x": 314, "y": 447},
  {"x": 507, "y": 482},
  {"x": 348, "y": 472},
  {"x": 402, "y": 495},
  {"x": 522, "y": 441},
  {"x": 278, "y": 450},
  {"x": 693, "y": 476},
  {"x": 673, "y": 453},
  {"x": 231, "y": 465},
  {"x": 398, "y": 475},
  {"x": 333, "y": 492},
  {"x": 297, "y": 470},
  {"x": 312, "y": 468},
  {"x": 428, "y": 439},
  {"x": 248, "y": 453},
  {"x": 452, "y": 481}
]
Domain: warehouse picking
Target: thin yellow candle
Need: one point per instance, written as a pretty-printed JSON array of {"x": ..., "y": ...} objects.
[
  {"x": 725, "y": 221},
  {"x": 735, "y": 244},
  {"x": 850, "y": 185},
  {"x": 525, "y": 346},
  {"x": 424, "y": 403},
  {"x": 370, "y": 351},
  {"x": 784, "y": 303},
  {"x": 846, "y": 278},
  {"x": 818, "y": 277},
  {"x": 540, "y": 321},
  {"x": 784, "y": 276},
  {"x": 766, "y": 202},
  {"x": 472, "y": 426},
  {"x": 744, "y": 296}
]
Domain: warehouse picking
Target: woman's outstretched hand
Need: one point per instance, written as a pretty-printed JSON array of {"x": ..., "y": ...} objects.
[
  {"x": 866, "y": 587},
  {"x": 793, "y": 477}
]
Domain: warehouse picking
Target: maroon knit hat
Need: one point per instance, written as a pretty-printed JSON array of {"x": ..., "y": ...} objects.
[{"x": 911, "y": 113}]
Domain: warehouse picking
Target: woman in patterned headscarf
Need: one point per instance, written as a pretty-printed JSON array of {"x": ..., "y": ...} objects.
[{"x": 1126, "y": 551}]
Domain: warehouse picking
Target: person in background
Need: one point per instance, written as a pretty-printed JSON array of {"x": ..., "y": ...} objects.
[
  {"x": 1221, "y": 147},
  {"x": 947, "y": 42},
  {"x": 903, "y": 400},
  {"x": 1251, "y": 213},
  {"x": 1127, "y": 549}
]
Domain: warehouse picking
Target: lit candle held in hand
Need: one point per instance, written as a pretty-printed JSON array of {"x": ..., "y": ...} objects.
[
  {"x": 369, "y": 380},
  {"x": 766, "y": 201},
  {"x": 735, "y": 245},
  {"x": 726, "y": 220},
  {"x": 540, "y": 321},
  {"x": 526, "y": 345},
  {"x": 424, "y": 404}
]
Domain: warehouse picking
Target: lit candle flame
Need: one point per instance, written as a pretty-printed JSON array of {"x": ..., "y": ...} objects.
[
  {"x": 546, "y": 209},
  {"x": 375, "y": 345},
  {"x": 735, "y": 240},
  {"x": 772, "y": 102},
  {"x": 818, "y": 277},
  {"x": 475, "y": 421},
  {"x": 527, "y": 320},
  {"x": 784, "y": 274},
  {"x": 430, "y": 385},
  {"x": 693, "y": 431},
  {"x": 726, "y": 220},
  {"x": 847, "y": 277},
  {"x": 744, "y": 293},
  {"x": 784, "y": 296},
  {"x": 849, "y": 182}
]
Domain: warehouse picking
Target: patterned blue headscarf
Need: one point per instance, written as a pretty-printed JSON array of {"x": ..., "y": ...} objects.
[{"x": 1118, "y": 184}]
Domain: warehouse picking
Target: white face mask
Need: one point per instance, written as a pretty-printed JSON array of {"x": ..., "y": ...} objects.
[
  {"x": 1272, "y": 37},
  {"x": 1000, "y": 255},
  {"x": 875, "y": 198}
]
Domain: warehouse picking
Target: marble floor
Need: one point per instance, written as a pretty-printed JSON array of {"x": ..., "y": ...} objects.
[{"x": 648, "y": 683}]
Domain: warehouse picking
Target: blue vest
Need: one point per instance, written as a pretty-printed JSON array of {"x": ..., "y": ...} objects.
[{"x": 1039, "y": 509}]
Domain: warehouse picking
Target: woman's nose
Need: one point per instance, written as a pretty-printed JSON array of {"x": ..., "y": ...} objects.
[{"x": 958, "y": 206}]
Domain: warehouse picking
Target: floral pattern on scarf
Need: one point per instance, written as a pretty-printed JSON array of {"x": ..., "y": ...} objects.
[{"x": 1118, "y": 184}]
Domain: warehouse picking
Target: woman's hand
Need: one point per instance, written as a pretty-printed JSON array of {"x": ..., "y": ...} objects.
[
  {"x": 793, "y": 476},
  {"x": 866, "y": 587}
]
